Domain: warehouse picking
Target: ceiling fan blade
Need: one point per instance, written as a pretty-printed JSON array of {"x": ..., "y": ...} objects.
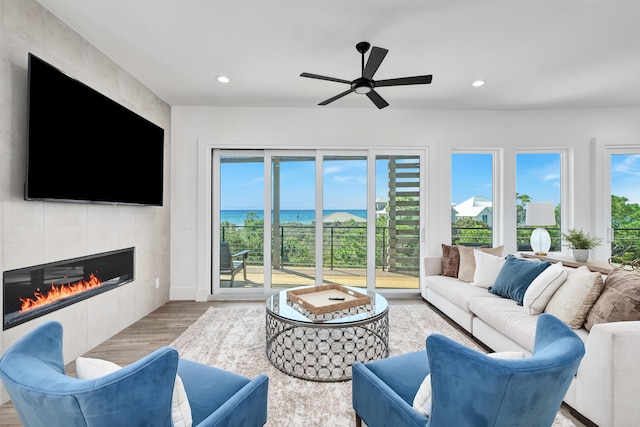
[
  {"x": 331, "y": 79},
  {"x": 330, "y": 100},
  {"x": 375, "y": 59},
  {"x": 416, "y": 80},
  {"x": 377, "y": 99}
]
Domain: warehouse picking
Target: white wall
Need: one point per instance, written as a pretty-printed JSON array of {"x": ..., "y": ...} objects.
[
  {"x": 39, "y": 232},
  {"x": 440, "y": 131}
]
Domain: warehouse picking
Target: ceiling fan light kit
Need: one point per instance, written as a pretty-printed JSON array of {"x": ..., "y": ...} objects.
[{"x": 365, "y": 85}]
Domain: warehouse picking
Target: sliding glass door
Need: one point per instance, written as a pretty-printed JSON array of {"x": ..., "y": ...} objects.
[
  {"x": 312, "y": 217},
  {"x": 397, "y": 221},
  {"x": 344, "y": 220},
  {"x": 293, "y": 217},
  {"x": 240, "y": 221}
]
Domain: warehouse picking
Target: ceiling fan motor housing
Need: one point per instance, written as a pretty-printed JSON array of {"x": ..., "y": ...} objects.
[{"x": 362, "y": 85}]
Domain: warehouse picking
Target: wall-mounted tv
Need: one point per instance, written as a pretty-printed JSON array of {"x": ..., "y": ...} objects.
[{"x": 84, "y": 147}]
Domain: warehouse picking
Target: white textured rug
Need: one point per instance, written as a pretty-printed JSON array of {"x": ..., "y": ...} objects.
[{"x": 234, "y": 339}]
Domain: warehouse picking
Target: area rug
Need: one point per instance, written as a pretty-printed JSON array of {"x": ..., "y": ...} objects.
[{"x": 234, "y": 339}]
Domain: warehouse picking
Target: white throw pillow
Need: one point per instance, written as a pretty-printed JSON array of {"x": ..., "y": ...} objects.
[
  {"x": 540, "y": 291},
  {"x": 422, "y": 401},
  {"x": 88, "y": 368},
  {"x": 487, "y": 268}
]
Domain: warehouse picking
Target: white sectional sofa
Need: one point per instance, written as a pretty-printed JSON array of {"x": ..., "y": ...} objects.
[{"x": 606, "y": 389}]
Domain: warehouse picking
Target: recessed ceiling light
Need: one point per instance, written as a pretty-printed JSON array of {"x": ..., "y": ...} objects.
[
  {"x": 222, "y": 79},
  {"x": 478, "y": 83}
]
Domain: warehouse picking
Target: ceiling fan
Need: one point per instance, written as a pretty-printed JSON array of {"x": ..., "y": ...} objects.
[{"x": 365, "y": 84}]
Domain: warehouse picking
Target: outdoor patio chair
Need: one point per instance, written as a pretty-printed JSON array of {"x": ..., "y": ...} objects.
[{"x": 232, "y": 264}]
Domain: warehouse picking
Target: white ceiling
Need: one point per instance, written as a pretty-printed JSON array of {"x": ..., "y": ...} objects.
[{"x": 532, "y": 53}]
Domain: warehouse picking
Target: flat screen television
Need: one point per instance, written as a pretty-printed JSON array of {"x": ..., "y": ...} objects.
[{"x": 84, "y": 147}]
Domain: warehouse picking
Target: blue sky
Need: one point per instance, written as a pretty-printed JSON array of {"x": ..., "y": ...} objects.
[
  {"x": 538, "y": 176},
  {"x": 344, "y": 185},
  {"x": 625, "y": 176}
]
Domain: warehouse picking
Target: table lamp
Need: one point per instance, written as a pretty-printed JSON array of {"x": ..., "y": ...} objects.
[{"x": 539, "y": 214}]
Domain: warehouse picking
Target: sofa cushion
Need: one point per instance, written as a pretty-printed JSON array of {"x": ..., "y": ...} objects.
[
  {"x": 450, "y": 260},
  {"x": 516, "y": 276},
  {"x": 487, "y": 268},
  {"x": 540, "y": 291},
  {"x": 619, "y": 300},
  {"x": 573, "y": 300},
  {"x": 89, "y": 368},
  {"x": 455, "y": 291},
  {"x": 506, "y": 317},
  {"x": 468, "y": 262}
]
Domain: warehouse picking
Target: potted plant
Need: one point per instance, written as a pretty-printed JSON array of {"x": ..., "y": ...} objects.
[{"x": 580, "y": 242}]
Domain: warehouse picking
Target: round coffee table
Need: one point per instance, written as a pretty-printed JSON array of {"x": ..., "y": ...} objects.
[{"x": 323, "y": 347}]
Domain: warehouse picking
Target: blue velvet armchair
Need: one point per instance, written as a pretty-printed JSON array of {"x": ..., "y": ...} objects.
[
  {"x": 468, "y": 387},
  {"x": 33, "y": 373}
]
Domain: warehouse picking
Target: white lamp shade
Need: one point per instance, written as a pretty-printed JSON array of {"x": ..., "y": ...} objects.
[{"x": 540, "y": 213}]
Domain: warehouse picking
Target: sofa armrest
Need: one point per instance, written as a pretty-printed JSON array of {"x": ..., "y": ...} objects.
[
  {"x": 607, "y": 382},
  {"x": 432, "y": 265}
]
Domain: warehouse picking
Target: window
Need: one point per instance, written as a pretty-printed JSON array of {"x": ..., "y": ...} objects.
[
  {"x": 538, "y": 179},
  {"x": 625, "y": 206},
  {"x": 472, "y": 199}
]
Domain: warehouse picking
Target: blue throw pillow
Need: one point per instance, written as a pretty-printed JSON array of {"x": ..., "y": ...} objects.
[{"x": 515, "y": 277}]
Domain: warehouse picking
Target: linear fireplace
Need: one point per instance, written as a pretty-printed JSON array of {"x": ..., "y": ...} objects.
[{"x": 31, "y": 292}]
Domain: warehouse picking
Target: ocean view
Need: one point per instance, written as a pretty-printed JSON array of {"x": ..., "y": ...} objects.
[{"x": 237, "y": 217}]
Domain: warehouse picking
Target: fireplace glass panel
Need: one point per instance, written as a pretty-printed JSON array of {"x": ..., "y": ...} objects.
[{"x": 31, "y": 292}]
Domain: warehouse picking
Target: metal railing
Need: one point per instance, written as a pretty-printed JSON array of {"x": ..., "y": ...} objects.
[
  {"x": 345, "y": 246},
  {"x": 625, "y": 241},
  {"x": 470, "y": 236}
]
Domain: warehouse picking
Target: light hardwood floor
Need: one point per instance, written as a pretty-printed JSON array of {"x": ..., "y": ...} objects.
[{"x": 160, "y": 328}]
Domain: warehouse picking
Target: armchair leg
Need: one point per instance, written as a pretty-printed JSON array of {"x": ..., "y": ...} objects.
[{"x": 358, "y": 421}]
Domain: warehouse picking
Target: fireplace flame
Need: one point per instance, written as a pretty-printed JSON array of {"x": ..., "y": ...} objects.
[{"x": 57, "y": 293}]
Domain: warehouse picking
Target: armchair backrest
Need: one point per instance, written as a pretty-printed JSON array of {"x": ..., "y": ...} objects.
[
  {"x": 472, "y": 389},
  {"x": 33, "y": 373}
]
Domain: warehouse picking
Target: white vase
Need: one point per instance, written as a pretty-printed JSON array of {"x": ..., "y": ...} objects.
[{"x": 581, "y": 255}]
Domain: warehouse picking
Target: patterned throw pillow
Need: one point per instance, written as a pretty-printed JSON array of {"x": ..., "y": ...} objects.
[
  {"x": 450, "y": 260},
  {"x": 573, "y": 300},
  {"x": 619, "y": 301}
]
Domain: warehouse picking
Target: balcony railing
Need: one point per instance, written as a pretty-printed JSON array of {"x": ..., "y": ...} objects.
[
  {"x": 342, "y": 246},
  {"x": 625, "y": 241},
  {"x": 345, "y": 246},
  {"x": 469, "y": 236}
]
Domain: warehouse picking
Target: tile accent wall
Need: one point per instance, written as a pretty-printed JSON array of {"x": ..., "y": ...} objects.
[{"x": 41, "y": 232}]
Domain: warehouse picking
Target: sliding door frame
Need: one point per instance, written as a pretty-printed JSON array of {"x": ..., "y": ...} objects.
[{"x": 208, "y": 278}]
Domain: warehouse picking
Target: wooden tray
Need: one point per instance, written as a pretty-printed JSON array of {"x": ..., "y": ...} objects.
[{"x": 317, "y": 300}]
